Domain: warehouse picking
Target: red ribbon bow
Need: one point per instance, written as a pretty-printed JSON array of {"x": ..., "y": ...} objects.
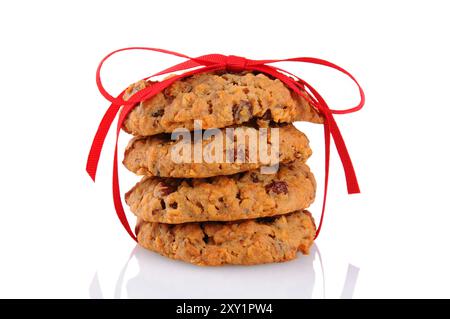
[{"x": 215, "y": 62}]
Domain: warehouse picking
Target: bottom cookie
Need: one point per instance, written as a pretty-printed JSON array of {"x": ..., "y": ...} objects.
[{"x": 249, "y": 242}]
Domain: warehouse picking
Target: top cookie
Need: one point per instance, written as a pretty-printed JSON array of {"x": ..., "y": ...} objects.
[{"x": 218, "y": 100}]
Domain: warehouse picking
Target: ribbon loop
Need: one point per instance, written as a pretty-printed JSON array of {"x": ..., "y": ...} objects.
[{"x": 232, "y": 63}]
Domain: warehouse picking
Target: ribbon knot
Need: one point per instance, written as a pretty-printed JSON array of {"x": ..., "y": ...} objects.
[
  {"x": 213, "y": 63},
  {"x": 235, "y": 63}
]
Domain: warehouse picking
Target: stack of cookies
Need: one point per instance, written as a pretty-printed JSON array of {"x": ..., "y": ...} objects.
[{"x": 229, "y": 210}]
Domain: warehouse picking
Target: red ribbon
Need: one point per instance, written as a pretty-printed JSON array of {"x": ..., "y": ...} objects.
[{"x": 215, "y": 62}]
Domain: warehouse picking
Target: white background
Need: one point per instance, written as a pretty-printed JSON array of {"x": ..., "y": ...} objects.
[{"x": 59, "y": 236}]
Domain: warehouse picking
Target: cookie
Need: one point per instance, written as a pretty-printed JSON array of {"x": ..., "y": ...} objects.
[
  {"x": 249, "y": 242},
  {"x": 154, "y": 155},
  {"x": 218, "y": 100},
  {"x": 223, "y": 198}
]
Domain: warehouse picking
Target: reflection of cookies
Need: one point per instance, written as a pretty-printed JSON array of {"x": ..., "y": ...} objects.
[
  {"x": 223, "y": 198},
  {"x": 247, "y": 242},
  {"x": 219, "y": 100},
  {"x": 153, "y": 156}
]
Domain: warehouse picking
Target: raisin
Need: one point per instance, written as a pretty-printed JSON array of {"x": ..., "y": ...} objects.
[
  {"x": 240, "y": 107},
  {"x": 277, "y": 187},
  {"x": 246, "y": 90},
  {"x": 254, "y": 177},
  {"x": 174, "y": 205},
  {"x": 210, "y": 107},
  {"x": 158, "y": 113},
  {"x": 221, "y": 73},
  {"x": 164, "y": 189},
  {"x": 205, "y": 235},
  {"x": 163, "y": 204},
  {"x": 168, "y": 95},
  {"x": 267, "y": 116}
]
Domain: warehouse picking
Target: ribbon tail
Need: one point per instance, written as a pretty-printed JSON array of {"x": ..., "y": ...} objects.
[
  {"x": 350, "y": 175},
  {"x": 99, "y": 139},
  {"x": 117, "y": 198}
]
